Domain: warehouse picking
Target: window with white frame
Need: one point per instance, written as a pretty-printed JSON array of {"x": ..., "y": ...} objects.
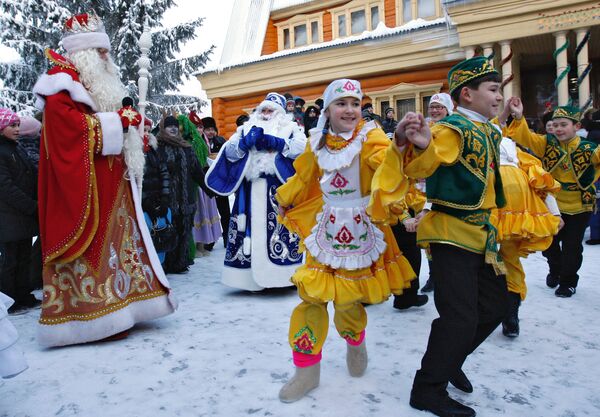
[
  {"x": 299, "y": 31},
  {"x": 404, "y": 98},
  {"x": 356, "y": 17},
  {"x": 407, "y": 10}
]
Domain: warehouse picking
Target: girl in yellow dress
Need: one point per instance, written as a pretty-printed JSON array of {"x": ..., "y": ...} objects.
[
  {"x": 345, "y": 181},
  {"x": 526, "y": 224}
]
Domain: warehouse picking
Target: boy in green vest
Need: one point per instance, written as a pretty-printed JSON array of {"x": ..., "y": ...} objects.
[
  {"x": 459, "y": 158},
  {"x": 575, "y": 164}
]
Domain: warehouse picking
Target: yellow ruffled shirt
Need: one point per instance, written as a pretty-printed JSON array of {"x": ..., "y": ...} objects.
[
  {"x": 569, "y": 202},
  {"x": 437, "y": 227}
]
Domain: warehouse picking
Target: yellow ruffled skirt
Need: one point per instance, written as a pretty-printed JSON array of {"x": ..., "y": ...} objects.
[
  {"x": 525, "y": 216},
  {"x": 391, "y": 273}
]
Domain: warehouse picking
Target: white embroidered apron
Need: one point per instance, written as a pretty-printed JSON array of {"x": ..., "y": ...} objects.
[{"x": 344, "y": 236}]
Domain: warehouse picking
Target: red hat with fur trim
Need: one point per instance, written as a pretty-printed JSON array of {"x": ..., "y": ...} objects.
[{"x": 84, "y": 31}]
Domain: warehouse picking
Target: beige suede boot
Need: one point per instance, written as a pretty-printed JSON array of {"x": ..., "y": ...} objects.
[
  {"x": 357, "y": 359},
  {"x": 305, "y": 380}
]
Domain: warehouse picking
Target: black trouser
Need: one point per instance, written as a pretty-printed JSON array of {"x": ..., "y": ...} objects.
[
  {"x": 407, "y": 242},
  {"x": 225, "y": 213},
  {"x": 471, "y": 301},
  {"x": 565, "y": 261},
  {"x": 15, "y": 278}
]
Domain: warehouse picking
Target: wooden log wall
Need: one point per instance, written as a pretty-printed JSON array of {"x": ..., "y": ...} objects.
[{"x": 226, "y": 110}]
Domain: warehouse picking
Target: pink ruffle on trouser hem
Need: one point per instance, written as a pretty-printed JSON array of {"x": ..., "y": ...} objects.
[{"x": 303, "y": 360}]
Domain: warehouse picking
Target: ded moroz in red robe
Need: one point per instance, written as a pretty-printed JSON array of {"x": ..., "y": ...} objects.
[{"x": 101, "y": 272}]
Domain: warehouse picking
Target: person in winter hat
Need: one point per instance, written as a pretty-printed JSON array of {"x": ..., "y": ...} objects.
[
  {"x": 252, "y": 164},
  {"x": 18, "y": 213},
  {"x": 347, "y": 184},
  {"x": 90, "y": 172}
]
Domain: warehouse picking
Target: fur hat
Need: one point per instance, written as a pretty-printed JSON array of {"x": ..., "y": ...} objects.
[
  {"x": 7, "y": 117},
  {"x": 209, "y": 122},
  {"x": 443, "y": 99},
  {"x": 242, "y": 118},
  {"x": 84, "y": 31},
  {"x": 170, "y": 121},
  {"x": 274, "y": 101},
  {"x": 30, "y": 126}
]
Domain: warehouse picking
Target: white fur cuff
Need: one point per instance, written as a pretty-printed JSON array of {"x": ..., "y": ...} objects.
[{"x": 112, "y": 133}]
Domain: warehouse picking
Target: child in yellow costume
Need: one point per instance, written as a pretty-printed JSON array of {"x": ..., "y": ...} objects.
[
  {"x": 575, "y": 164},
  {"x": 347, "y": 177},
  {"x": 528, "y": 221}
]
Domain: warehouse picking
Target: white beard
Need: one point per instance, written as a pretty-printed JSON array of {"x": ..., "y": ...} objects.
[
  {"x": 100, "y": 78},
  {"x": 270, "y": 126}
]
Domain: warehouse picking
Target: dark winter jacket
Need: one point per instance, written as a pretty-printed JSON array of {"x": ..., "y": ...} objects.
[
  {"x": 18, "y": 193},
  {"x": 31, "y": 144},
  {"x": 389, "y": 125},
  {"x": 216, "y": 144},
  {"x": 156, "y": 189}
]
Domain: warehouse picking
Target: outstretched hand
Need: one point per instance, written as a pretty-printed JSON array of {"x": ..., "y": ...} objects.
[{"x": 415, "y": 129}]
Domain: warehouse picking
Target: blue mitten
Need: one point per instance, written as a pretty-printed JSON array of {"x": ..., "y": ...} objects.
[
  {"x": 249, "y": 140},
  {"x": 274, "y": 143}
]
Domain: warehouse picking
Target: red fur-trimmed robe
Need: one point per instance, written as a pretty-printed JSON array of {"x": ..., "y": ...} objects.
[{"x": 101, "y": 272}]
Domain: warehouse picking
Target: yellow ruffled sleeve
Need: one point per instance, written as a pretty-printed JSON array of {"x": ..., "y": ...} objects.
[
  {"x": 520, "y": 133},
  {"x": 388, "y": 183},
  {"x": 443, "y": 149},
  {"x": 301, "y": 195},
  {"x": 300, "y": 186},
  {"x": 539, "y": 179}
]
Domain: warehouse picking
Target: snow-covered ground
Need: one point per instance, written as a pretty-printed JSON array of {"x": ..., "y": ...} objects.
[{"x": 225, "y": 353}]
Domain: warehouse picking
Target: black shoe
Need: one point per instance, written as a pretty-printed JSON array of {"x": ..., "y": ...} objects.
[
  {"x": 443, "y": 406},
  {"x": 564, "y": 291},
  {"x": 461, "y": 382},
  {"x": 510, "y": 324},
  {"x": 403, "y": 303},
  {"x": 209, "y": 246},
  {"x": 428, "y": 287},
  {"x": 16, "y": 310},
  {"x": 510, "y": 327},
  {"x": 552, "y": 280},
  {"x": 592, "y": 242}
]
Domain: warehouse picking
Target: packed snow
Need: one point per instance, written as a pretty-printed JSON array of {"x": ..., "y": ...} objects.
[{"x": 225, "y": 353}]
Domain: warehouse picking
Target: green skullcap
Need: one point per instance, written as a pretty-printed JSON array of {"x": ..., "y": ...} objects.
[
  {"x": 567, "y": 112},
  {"x": 469, "y": 70}
]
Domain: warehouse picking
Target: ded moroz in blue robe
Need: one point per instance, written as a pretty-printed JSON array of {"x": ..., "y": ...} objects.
[{"x": 261, "y": 253}]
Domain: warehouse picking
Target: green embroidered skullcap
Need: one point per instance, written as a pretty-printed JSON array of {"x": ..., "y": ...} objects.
[
  {"x": 567, "y": 112},
  {"x": 469, "y": 70}
]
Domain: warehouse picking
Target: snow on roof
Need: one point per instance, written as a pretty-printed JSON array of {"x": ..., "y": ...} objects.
[
  {"x": 282, "y": 4},
  {"x": 381, "y": 31}
]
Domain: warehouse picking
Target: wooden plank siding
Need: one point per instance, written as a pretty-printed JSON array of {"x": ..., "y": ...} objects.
[
  {"x": 226, "y": 111},
  {"x": 389, "y": 7},
  {"x": 270, "y": 43}
]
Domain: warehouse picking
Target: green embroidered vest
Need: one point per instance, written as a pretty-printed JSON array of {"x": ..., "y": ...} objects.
[
  {"x": 580, "y": 163},
  {"x": 463, "y": 184}
]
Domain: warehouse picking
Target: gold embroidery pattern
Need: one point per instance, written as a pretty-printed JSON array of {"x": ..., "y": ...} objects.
[
  {"x": 78, "y": 292},
  {"x": 463, "y": 76}
]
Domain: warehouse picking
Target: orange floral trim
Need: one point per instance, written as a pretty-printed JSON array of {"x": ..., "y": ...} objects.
[{"x": 337, "y": 143}]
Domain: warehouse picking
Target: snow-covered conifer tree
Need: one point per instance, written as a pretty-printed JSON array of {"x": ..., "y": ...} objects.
[{"x": 30, "y": 26}]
